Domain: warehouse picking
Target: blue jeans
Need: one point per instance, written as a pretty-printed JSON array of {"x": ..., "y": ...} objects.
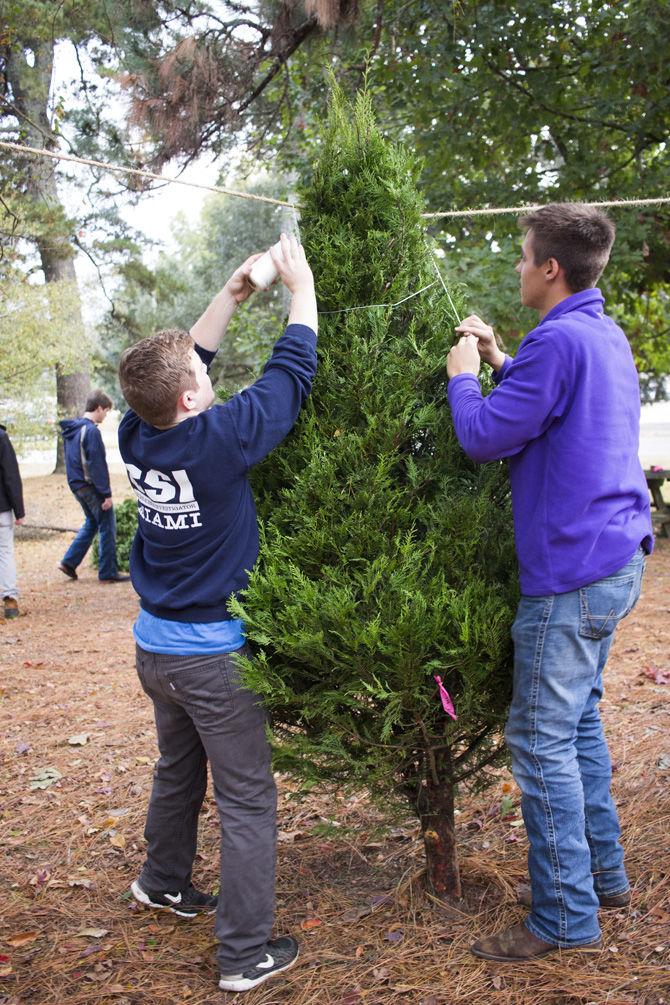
[
  {"x": 560, "y": 759},
  {"x": 97, "y": 519}
]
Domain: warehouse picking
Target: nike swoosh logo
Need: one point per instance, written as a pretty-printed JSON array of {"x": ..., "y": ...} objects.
[
  {"x": 266, "y": 963},
  {"x": 173, "y": 900}
]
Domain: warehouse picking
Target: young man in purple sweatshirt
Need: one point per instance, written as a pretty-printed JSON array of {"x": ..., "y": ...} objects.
[
  {"x": 188, "y": 460},
  {"x": 565, "y": 412}
]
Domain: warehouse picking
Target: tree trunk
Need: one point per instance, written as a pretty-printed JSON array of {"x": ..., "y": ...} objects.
[
  {"x": 71, "y": 388},
  {"x": 30, "y": 87},
  {"x": 435, "y": 807}
]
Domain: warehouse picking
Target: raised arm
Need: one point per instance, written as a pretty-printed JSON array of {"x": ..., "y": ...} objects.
[
  {"x": 211, "y": 326},
  {"x": 265, "y": 412}
]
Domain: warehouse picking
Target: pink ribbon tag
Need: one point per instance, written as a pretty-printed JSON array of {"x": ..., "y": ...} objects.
[{"x": 447, "y": 703}]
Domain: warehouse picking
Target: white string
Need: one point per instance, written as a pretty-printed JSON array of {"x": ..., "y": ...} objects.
[
  {"x": 367, "y": 307},
  {"x": 492, "y": 211},
  {"x": 444, "y": 287}
]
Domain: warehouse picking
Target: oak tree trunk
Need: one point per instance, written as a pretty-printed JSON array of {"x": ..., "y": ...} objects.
[{"x": 31, "y": 86}]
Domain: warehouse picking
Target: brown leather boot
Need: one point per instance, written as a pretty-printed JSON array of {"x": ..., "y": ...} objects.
[
  {"x": 517, "y": 944},
  {"x": 608, "y": 901},
  {"x": 11, "y": 607}
]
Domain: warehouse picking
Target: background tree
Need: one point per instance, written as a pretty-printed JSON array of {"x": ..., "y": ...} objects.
[
  {"x": 387, "y": 555},
  {"x": 28, "y": 356},
  {"x": 31, "y": 112},
  {"x": 177, "y": 289},
  {"x": 507, "y": 103}
]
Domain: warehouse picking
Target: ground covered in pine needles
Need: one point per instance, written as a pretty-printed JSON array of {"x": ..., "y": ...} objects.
[{"x": 76, "y": 773}]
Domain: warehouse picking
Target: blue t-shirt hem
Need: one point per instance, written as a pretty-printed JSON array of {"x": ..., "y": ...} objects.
[{"x": 182, "y": 638}]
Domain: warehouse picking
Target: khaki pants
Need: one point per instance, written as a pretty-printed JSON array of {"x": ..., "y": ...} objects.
[{"x": 8, "y": 586}]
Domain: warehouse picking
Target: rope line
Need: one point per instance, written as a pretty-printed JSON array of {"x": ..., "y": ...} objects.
[
  {"x": 500, "y": 210},
  {"x": 448, "y": 213},
  {"x": 136, "y": 172},
  {"x": 365, "y": 307}
]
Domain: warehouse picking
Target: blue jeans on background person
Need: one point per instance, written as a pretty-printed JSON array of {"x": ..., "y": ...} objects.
[
  {"x": 97, "y": 520},
  {"x": 560, "y": 759}
]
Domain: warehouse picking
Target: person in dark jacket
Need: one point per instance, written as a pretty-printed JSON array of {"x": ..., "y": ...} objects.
[
  {"x": 565, "y": 413},
  {"x": 11, "y": 512},
  {"x": 88, "y": 478},
  {"x": 189, "y": 461}
]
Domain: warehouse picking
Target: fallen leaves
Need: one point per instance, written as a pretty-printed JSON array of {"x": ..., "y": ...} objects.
[
  {"x": 117, "y": 841},
  {"x": 91, "y": 933},
  {"x": 288, "y": 837},
  {"x": 41, "y": 877},
  {"x": 22, "y": 939},
  {"x": 78, "y": 740},
  {"x": 44, "y": 777},
  {"x": 86, "y": 883},
  {"x": 506, "y": 806},
  {"x": 656, "y": 674},
  {"x": 395, "y": 936}
]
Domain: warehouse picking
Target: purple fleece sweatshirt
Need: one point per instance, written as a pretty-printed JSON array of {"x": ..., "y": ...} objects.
[{"x": 566, "y": 412}]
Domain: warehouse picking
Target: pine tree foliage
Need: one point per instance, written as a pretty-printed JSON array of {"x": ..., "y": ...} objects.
[{"x": 387, "y": 556}]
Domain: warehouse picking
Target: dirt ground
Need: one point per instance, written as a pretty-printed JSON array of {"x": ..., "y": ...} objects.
[{"x": 349, "y": 880}]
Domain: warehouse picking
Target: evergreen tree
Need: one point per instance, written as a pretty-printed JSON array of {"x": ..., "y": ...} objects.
[{"x": 387, "y": 555}]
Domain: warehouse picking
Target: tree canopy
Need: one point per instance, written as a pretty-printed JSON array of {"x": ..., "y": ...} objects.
[{"x": 506, "y": 104}]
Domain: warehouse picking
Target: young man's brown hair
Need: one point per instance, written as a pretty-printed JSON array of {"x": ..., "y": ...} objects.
[
  {"x": 98, "y": 399},
  {"x": 153, "y": 374},
  {"x": 579, "y": 237}
]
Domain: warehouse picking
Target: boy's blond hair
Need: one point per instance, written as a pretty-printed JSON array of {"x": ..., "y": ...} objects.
[{"x": 155, "y": 372}]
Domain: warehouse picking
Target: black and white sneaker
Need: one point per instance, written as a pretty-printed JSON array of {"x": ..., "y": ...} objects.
[
  {"x": 186, "y": 903},
  {"x": 280, "y": 955}
]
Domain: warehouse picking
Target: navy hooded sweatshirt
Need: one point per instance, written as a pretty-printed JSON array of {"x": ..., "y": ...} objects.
[
  {"x": 197, "y": 535},
  {"x": 85, "y": 458}
]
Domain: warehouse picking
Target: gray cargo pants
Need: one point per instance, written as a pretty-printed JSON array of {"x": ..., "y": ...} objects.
[{"x": 202, "y": 714}]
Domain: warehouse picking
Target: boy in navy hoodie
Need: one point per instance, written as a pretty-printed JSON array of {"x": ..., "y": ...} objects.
[
  {"x": 188, "y": 461},
  {"x": 88, "y": 478}
]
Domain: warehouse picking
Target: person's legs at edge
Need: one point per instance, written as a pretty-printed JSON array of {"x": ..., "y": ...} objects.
[
  {"x": 84, "y": 538},
  {"x": 108, "y": 567},
  {"x": 180, "y": 782},
  {"x": 8, "y": 586}
]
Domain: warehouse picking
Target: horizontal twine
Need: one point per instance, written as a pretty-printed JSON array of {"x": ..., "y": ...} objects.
[
  {"x": 365, "y": 307},
  {"x": 446, "y": 214},
  {"x": 138, "y": 173}
]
